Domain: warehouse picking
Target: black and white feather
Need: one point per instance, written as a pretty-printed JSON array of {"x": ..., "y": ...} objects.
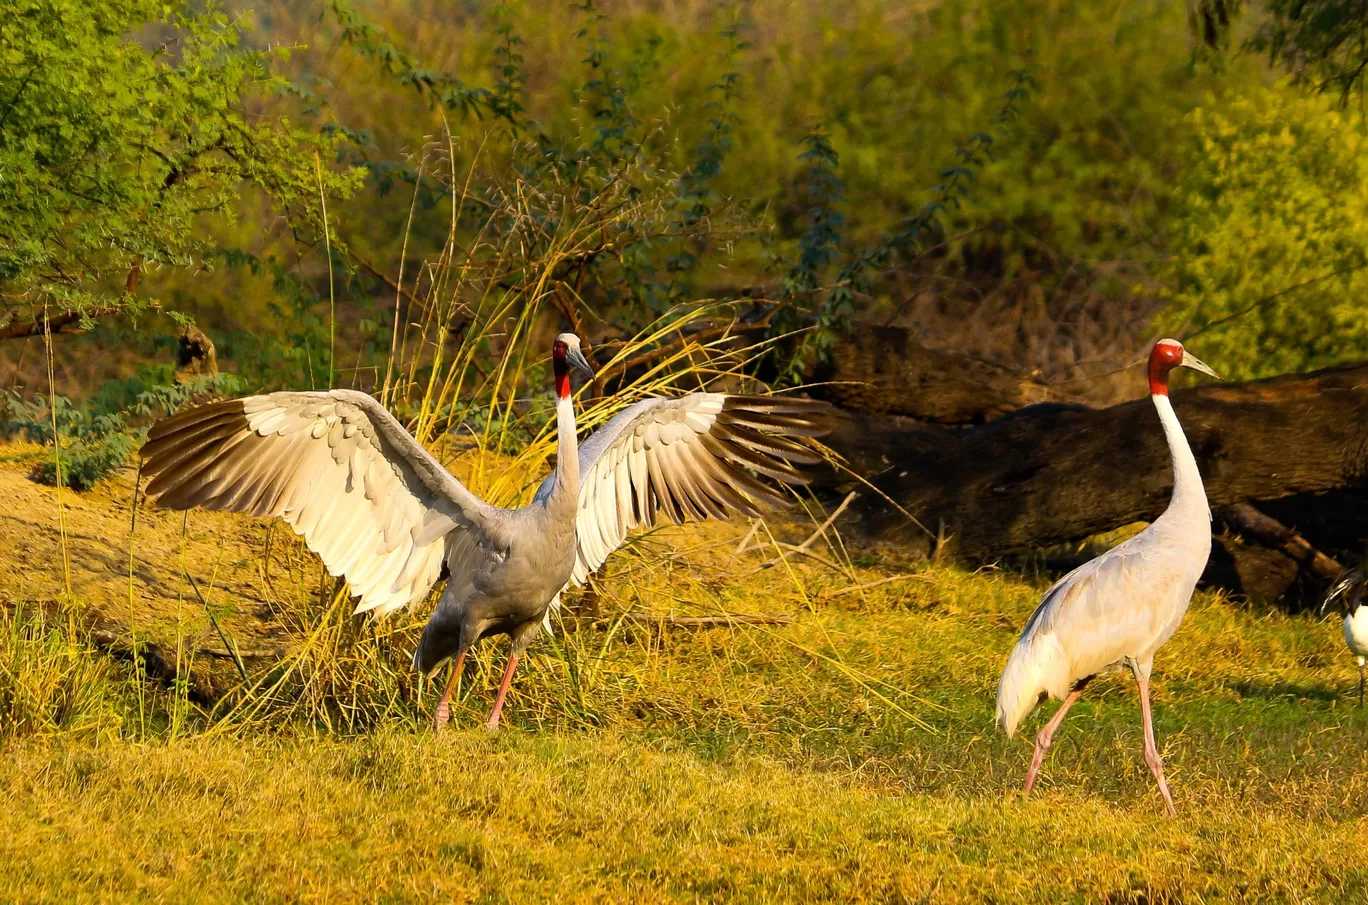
[
  {"x": 338, "y": 469},
  {"x": 706, "y": 455}
]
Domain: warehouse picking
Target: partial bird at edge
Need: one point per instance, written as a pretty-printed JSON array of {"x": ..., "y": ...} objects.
[{"x": 1348, "y": 589}]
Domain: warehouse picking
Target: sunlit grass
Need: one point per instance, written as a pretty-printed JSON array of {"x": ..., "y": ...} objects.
[
  {"x": 847, "y": 755},
  {"x": 603, "y": 817},
  {"x": 843, "y": 750},
  {"x": 736, "y": 763}
]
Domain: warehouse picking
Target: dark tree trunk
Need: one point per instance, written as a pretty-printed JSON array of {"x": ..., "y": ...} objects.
[
  {"x": 1050, "y": 474},
  {"x": 886, "y": 370},
  {"x": 195, "y": 355}
]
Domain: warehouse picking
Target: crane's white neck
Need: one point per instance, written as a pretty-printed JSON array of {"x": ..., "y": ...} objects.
[
  {"x": 1188, "y": 493},
  {"x": 567, "y": 449}
]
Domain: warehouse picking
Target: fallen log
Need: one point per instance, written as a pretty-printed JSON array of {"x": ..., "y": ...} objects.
[
  {"x": 1257, "y": 557},
  {"x": 884, "y": 369},
  {"x": 1050, "y": 474},
  {"x": 1257, "y": 526}
]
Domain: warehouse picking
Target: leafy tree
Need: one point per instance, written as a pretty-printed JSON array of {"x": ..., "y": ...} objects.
[
  {"x": 1323, "y": 43},
  {"x": 1268, "y": 259},
  {"x": 123, "y": 123}
]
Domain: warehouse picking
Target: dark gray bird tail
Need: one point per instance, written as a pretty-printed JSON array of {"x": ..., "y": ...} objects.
[
  {"x": 1349, "y": 587},
  {"x": 440, "y": 642}
]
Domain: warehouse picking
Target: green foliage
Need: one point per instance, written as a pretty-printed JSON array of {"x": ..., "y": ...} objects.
[
  {"x": 1321, "y": 43},
  {"x": 103, "y": 434},
  {"x": 439, "y": 88},
  {"x": 701, "y": 114},
  {"x": 820, "y": 244},
  {"x": 1268, "y": 259},
  {"x": 912, "y": 236},
  {"x": 604, "y": 227},
  {"x": 617, "y": 167},
  {"x": 122, "y": 124}
]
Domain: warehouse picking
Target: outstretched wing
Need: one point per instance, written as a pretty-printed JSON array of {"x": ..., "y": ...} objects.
[
  {"x": 688, "y": 458},
  {"x": 341, "y": 471}
]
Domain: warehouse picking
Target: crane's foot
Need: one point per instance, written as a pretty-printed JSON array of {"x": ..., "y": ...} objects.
[
  {"x": 493, "y": 722},
  {"x": 441, "y": 716},
  {"x": 1042, "y": 744},
  {"x": 1156, "y": 763},
  {"x": 1046, "y": 735}
]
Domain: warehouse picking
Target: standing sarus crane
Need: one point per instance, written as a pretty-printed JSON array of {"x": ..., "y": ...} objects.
[
  {"x": 1121, "y": 607},
  {"x": 1349, "y": 589},
  {"x": 381, "y": 511}
]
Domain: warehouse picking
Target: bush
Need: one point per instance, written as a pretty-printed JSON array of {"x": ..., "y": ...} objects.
[
  {"x": 1268, "y": 260},
  {"x": 101, "y": 435},
  {"x": 124, "y": 126}
]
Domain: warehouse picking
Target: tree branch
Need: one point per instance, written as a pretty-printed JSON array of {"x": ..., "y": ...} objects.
[
  {"x": 1269, "y": 532},
  {"x": 67, "y": 322}
]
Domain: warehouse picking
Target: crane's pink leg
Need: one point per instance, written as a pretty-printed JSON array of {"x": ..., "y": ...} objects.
[
  {"x": 1046, "y": 735},
  {"x": 493, "y": 721},
  {"x": 442, "y": 714},
  {"x": 1156, "y": 763}
]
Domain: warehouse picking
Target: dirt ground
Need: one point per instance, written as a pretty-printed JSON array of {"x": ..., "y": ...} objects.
[{"x": 124, "y": 574}]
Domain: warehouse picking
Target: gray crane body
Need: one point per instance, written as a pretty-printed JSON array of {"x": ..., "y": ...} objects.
[
  {"x": 381, "y": 511},
  {"x": 512, "y": 590}
]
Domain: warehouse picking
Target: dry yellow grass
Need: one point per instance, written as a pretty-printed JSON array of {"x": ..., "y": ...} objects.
[
  {"x": 849, "y": 756},
  {"x": 610, "y": 817}
]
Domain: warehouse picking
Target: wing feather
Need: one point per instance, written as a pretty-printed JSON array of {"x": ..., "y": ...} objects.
[
  {"x": 687, "y": 459},
  {"x": 340, "y": 470},
  {"x": 641, "y": 498}
]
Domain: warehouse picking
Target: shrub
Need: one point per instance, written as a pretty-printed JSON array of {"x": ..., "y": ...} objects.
[
  {"x": 124, "y": 125},
  {"x": 101, "y": 435},
  {"x": 1268, "y": 260}
]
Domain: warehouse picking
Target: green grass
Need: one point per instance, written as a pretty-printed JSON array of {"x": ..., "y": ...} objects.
[{"x": 848, "y": 757}]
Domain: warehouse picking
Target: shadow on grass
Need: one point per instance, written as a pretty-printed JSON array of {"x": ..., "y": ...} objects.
[{"x": 1293, "y": 690}]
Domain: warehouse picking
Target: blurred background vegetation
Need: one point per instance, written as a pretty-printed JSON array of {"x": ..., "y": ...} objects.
[{"x": 1046, "y": 185}]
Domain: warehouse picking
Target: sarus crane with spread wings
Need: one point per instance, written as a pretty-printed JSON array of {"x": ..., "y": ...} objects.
[
  {"x": 380, "y": 510},
  {"x": 1119, "y": 609}
]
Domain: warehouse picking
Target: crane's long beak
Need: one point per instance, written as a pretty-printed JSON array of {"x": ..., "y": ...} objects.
[
  {"x": 576, "y": 358},
  {"x": 1192, "y": 361}
]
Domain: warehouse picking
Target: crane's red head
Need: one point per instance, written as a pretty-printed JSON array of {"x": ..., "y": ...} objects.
[
  {"x": 1166, "y": 355},
  {"x": 565, "y": 351}
]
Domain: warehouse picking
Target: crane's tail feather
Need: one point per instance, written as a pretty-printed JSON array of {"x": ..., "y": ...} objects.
[{"x": 1037, "y": 665}]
